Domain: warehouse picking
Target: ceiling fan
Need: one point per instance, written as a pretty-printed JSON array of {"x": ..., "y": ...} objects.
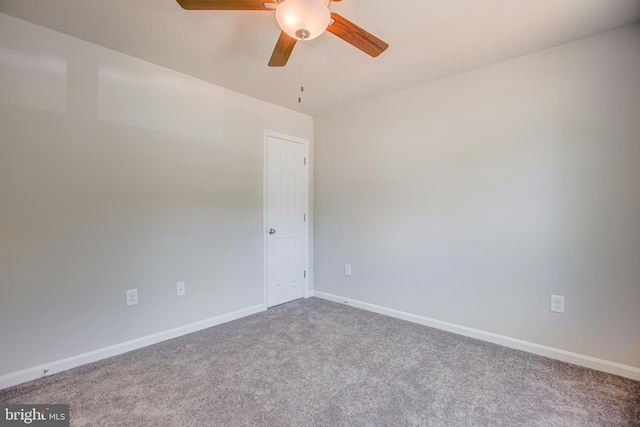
[{"x": 299, "y": 20}]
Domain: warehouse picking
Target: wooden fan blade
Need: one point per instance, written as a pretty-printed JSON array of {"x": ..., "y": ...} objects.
[
  {"x": 224, "y": 4},
  {"x": 282, "y": 51},
  {"x": 351, "y": 33}
]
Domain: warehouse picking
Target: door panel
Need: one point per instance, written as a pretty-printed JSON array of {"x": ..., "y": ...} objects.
[{"x": 286, "y": 207}]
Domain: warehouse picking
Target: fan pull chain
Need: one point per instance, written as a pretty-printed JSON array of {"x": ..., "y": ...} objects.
[{"x": 301, "y": 69}]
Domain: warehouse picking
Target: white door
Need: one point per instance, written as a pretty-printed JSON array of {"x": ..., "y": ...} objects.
[{"x": 286, "y": 218}]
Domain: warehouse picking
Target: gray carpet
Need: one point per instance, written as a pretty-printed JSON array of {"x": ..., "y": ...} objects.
[{"x": 318, "y": 363}]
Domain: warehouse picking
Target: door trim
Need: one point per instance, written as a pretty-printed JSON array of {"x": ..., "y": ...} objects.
[{"x": 305, "y": 142}]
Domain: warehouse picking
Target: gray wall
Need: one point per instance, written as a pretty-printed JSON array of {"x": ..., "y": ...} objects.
[
  {"x": 472, "y": 199},
  {"x": 90, "y": 207}
]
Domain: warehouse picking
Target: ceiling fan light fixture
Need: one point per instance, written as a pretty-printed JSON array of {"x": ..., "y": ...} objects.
[{"x": 303, "y": 19}]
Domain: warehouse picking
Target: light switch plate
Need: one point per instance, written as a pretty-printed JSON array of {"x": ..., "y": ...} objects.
[{"x": 181, "y": 288}]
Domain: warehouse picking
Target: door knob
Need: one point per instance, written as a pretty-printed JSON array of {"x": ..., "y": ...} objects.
[{"x": 272, "y": 231}]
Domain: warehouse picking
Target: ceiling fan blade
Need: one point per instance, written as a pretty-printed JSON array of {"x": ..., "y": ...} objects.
[
  {"x": 282, "y": 51},
  {"x": 224, "y": 4},
  {"x": 351, "y": 33}
]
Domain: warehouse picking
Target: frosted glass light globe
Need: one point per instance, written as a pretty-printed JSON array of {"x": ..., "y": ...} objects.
[{"x": 303, "y": 19}]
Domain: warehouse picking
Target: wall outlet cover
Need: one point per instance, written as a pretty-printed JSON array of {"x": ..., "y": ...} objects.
[
  {"x": 557, "y": 304},
  {"x": 132, "y": 297}
]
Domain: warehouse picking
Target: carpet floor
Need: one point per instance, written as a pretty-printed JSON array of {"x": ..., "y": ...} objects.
[{"x": 318, "y": 363}]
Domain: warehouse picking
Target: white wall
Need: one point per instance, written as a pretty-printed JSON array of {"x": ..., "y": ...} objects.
[
  {"x": 472, "y": 199},
  {"x": 101, "y": 193}
]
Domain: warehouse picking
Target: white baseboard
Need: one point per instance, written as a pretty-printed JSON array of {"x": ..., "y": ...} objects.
[
  {"x": 15, "y": 378},
  {"x": 553, "y": 353}
]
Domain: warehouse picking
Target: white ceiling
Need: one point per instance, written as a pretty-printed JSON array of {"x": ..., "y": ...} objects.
[{"x": 428, "y": 40}]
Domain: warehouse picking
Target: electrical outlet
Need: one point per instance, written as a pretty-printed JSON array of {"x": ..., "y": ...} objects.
[
  {"x": 557, "y": 304},
  {"x": 347, "y": 269},
  {"x": 181, "y": 288},
  {"x": 132, "y": 297}
]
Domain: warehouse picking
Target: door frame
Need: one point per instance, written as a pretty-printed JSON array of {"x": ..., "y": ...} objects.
[{"x": 305, "y": 143}]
